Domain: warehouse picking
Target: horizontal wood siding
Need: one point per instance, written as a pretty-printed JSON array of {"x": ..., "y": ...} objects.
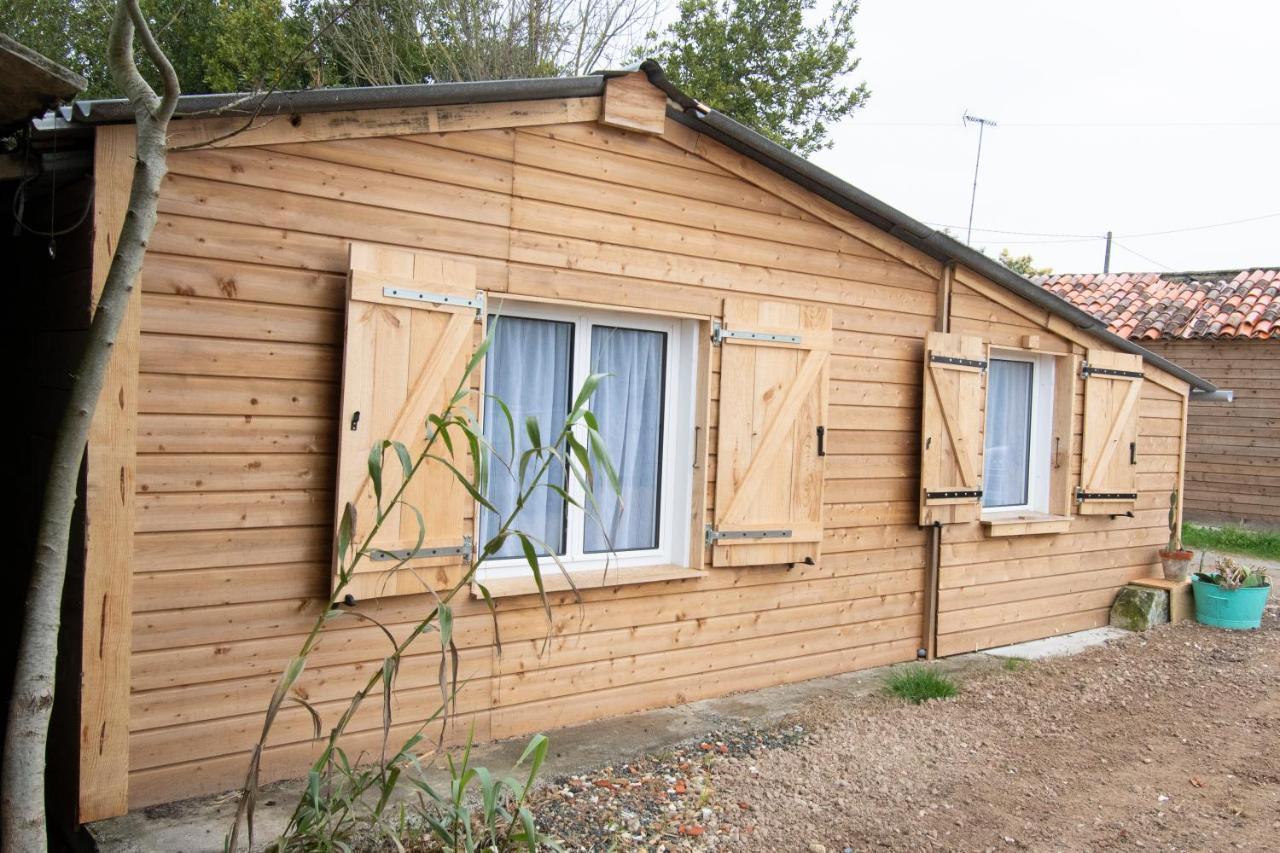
[
  {"x": 995, "y": 591},
  {"x": 241, "y": 349},
  {"x": 1233, "y": 449},
  {"x": 241, "y": 352}
]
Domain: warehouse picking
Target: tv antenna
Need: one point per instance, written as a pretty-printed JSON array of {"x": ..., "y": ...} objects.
[{"x": 982, "y": 124}]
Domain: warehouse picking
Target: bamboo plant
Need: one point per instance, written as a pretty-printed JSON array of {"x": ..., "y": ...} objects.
[{"x": 340, "y": 796}]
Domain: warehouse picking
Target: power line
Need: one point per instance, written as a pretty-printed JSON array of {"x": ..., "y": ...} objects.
[
  {"x": 1076, "y": 238},
  {"x": 1059, "y": 125},
  {"x": 1144, "y": 257}
]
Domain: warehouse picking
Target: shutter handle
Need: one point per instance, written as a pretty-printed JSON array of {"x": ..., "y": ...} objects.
[
  {"x": 1133, "y": 453},
  {"x": 822, "y": 441},
  {"x": 355, "y": 422}
]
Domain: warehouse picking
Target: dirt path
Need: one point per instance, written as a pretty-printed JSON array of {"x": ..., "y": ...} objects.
[{"x": 1167, "y": 741}]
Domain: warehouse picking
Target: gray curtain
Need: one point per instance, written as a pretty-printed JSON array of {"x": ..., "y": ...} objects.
[
  {"x": 628, "y": 406},
  {"x": 530, "y": 368},
  {"x": 1007, "y": 445}
]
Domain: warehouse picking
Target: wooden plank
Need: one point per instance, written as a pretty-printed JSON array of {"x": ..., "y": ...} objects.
[
  {"x": 109, "y": 511},
  {"x": 631, "y": 102},
  {"x": 359, "y": 124},
  {"x": 751, "y": 171}
]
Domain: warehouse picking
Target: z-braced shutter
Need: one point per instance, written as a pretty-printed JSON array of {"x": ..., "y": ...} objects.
[
  {"x": 773, "y": 409},
  {"x": 411, "y": 322},
  {"x": 1109, "y": 456},
  {"x": 951, "y": 429}
]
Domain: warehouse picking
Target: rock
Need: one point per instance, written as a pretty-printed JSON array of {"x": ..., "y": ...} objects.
[
  {"x": 1139, "y": 608},
  {"x": 815, "y": 847}
]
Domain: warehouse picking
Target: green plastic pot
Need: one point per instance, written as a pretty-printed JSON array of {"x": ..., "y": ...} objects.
[{"x": 1235, "y": 609}]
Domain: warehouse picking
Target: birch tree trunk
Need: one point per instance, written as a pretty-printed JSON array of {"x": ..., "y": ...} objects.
[{"x": 22, "y": 811}]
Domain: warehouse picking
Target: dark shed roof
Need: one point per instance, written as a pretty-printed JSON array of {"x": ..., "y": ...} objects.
[
  {"x": 30, "y": 83},
  {"x": 687, "y": 111}
]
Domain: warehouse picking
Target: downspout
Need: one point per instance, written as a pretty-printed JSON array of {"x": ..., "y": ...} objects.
[{"x": 933, "y": 545}]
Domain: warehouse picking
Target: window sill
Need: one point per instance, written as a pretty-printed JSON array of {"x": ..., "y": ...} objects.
[
  {"x": 1024, "y": 523},
  {"x": 555, "y": 581}
]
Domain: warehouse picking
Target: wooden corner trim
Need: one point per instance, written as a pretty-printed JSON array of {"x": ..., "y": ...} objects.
[{"x": 110, "y": 463}]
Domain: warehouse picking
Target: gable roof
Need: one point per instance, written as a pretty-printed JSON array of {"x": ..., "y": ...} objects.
[
  {"x": 1178, "y": 306},
  {"x": 683, "y": 109}
]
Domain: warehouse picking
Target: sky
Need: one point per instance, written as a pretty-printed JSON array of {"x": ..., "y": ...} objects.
[{"x": 1133, "y": 116}]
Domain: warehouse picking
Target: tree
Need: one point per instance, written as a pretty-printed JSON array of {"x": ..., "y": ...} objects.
[
  {"x": 22, "y": 815},
  {"x": 1023, "y": 264},
  {"x": 215, "y": 45},
  {"x": 383, "y": 42},
  {"x": 759, "y": 62}
]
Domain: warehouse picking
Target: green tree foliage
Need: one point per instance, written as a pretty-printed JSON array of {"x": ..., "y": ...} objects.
[
  {"x": 215, "y": 45},
  {"x": 1023, "y": 264},
  {"x": 774, "y": 65}
]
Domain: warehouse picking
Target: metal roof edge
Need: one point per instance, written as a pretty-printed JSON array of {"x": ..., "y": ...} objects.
[
  {"x": 118, "y": 110},
  {"x": 768, "y": 153},
  {"x": 685, "y": 109}
]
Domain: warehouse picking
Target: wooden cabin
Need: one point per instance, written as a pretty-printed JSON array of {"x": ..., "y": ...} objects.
[
  {"x": 1225, "y": 326},
  {"x": 845, "y": 440}
]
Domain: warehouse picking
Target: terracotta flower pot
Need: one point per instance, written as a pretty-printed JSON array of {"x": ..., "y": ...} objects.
[{"x": 1177, "y": 564}]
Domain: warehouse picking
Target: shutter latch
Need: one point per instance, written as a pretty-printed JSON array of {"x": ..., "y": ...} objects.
[
  {"x": 378, "y": 555},
  {"x": 713, "y": 536}
]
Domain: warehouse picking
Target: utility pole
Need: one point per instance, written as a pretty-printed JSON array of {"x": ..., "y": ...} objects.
[
  {"x": 1106, "y": 258},
  {"x": 982, "y": 125}
]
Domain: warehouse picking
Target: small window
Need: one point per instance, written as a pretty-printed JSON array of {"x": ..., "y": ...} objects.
[
  {"x": 1019, "y": 423},
  {"x": 539, "y": 359}
]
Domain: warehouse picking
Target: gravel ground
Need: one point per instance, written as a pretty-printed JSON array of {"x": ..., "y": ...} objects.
[{"x": 1166, "y": 741}]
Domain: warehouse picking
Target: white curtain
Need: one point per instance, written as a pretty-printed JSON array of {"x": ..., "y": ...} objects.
[
  {"x": 1007, "y": 445},
  {"x": 628, "y": 406},
  {"x": 529, "y": 368}
]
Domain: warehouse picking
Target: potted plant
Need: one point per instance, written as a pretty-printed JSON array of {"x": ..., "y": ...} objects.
[
  {"x": 1174, "y": 559},
  {"x": 1232, "y": 596}
]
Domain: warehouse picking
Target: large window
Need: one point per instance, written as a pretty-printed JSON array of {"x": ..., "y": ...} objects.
[
  {"x": 1015, "y": 469},
  {"x": 540, "y": 357}
]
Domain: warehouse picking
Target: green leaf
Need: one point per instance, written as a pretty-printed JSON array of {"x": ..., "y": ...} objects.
[
  {"x": 532, "y": 430},
  {"x": 346, "y": 531},
  {"x": 601, "y": 453},
  {"x": 466, "y": 483},
  {"x": 589, "y": 386},
  {"x": 375, "y": 473}
]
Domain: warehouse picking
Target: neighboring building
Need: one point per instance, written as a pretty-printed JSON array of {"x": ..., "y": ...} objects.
[
  {"x": 1225, "y": 326},
  {"x": 811, "y": 485}
]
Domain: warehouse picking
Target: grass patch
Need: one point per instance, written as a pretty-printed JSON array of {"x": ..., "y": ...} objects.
[
  {"x": 1015, "y": 664},
  {"x": 1233, "y": 540},
  {"x": 918, "y": 684}
]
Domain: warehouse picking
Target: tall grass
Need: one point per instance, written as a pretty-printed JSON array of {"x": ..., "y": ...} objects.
[
  {"x": 344, "y": 799},
  {"x": 1233, "y": 540}
]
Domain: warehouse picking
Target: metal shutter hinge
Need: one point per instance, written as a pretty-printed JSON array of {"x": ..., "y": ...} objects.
[
  {"x": 1082, "y": 496},
  {"x": 713, "y": 535},
  {"x": 719, "y": 334},
  {"x": 954, "y": 493},
  {"x": 476, "y": 302},
  {"x": 1087, "y": 370},
  {"x": 958, "y": 362},
  {"x": 464, "y": 550}
]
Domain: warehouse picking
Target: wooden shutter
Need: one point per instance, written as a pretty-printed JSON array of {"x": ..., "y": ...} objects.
[
  {"x": 406, "y": 350},
  {"x": 773, "y": 408},
  {"x": 1109, "y": 456},
  {"x": 951, "y": 428}
]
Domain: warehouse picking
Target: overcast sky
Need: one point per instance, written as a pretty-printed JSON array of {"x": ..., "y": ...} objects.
[{"x": 1129, "y": 115}]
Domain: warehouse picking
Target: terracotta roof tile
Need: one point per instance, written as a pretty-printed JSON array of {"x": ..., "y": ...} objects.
[{"x": 1150, "y": 306}]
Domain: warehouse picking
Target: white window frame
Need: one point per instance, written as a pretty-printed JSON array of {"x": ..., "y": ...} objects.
[
  {"x": 1038, "y": 462},
  {"x": 676, "y": 469}
]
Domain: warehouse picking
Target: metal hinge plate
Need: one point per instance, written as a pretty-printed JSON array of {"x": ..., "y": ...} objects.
[
  {"x": 1082, "y": 496},
  {"x": 713, "y": 536},
  {"x": 958, "y": 362},
  {"x": 476, "y": 302},
  {"x": 1086, "y": 371},
  {"x": 378, "y": 555},
  {"x": 719, "y": 334},
  {"x": 954, "y": 493}
]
